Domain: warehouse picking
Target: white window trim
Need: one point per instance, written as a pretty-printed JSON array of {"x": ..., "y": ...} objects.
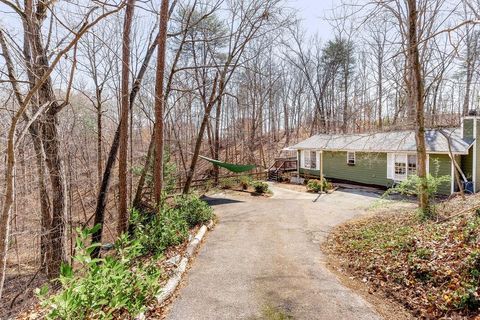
[
  {"x": 403, "y": 158},
  {"x": 391, "y": 157},
  {"x": 313, "y": 158},
  {"x": 308, "y": 164},
  {"x": 354, "y": 158}
]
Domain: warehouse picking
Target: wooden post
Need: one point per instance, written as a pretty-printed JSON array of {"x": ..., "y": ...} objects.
[
  {"x": 321, "y": 171},
  {"x": 299, "y": 154}
]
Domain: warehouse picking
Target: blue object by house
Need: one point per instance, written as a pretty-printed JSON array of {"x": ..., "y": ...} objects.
[{"x": 468, "y": 186}]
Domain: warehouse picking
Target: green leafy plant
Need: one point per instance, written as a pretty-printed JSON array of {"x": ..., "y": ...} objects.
[
  {"x": 159, "y": 231},
  {"x": 315, "y": 185},
  {"x": 411, "y": 187},
  {"x": 193, "y": 210},
  {"x": 227, "y": 183},
  {"x": 260, "y": 186},
  {"x": 245, "y": 182},
  {"x": 106, "y": 288}
]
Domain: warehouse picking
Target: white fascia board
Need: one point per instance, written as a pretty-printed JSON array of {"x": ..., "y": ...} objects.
[{"x": 382, "y": 151}]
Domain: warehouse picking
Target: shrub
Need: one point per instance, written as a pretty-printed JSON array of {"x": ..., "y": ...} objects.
[
  {"x": 315, "y": 185},
  {"x": 245, "y": 182},
  {"x": 260, "y": 186},
  {"x": 105, "y": 288},
  {"x": 227, "y": 183},
  {"x": 119, "y": 286},
  {"x": 411, "y": 187},
  {"x": 193, "y": 210},
  {"x": 168, "y": 228}
]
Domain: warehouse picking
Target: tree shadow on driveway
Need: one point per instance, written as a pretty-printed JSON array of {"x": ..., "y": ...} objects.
[{"x": 219, "y": 201}]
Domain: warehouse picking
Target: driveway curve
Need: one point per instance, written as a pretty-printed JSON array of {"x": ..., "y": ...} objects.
[{"x": 263, "y": 260}]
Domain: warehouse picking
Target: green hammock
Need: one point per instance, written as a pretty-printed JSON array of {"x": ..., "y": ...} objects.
[{"x": 237, "y": 168}]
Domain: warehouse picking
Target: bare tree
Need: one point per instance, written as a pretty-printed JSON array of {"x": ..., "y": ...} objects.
[
  {"x": 49, "y": 108},
  {"x": 123, "y": 147},
  {"x": 159, "y": 102}
]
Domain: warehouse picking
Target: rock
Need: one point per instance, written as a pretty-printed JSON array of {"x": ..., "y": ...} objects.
[{"x": 173, "y": 261}]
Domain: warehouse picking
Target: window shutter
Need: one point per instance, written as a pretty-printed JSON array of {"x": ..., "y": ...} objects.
[
  {"x": 318, "y": 160},
  {"x": 302, "y": 154},
  {"x": 390, "y": 165}
]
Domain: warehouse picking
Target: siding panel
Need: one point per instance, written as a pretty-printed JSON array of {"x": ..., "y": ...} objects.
[
  {"x": 440, "y": 165},
  {"x": 369, "y": 168}
]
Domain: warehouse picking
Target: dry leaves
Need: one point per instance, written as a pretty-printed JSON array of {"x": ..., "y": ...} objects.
[{"x": 432, "y": 268}]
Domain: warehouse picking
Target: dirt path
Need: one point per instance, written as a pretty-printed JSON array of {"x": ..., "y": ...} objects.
[{"x": 263, "y": 260}]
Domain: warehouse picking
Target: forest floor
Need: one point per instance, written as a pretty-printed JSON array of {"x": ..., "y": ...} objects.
[
  {"x": 263, "y": 261},
  {"x": 431, "y": 267}
]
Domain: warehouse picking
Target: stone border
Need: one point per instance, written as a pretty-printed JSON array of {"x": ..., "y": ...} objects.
[{"x": 167, "y": 291}]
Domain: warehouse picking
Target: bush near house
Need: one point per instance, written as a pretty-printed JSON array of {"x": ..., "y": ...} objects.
[
  {"x": 121, "y": 284},
  {"x": 432, "y": 267},
  {"x": 411, "y": 187},
  {"x": 315, "y": 185},
  {"x": 260, "y": 187},
  {"x": 245, "y": 182}
]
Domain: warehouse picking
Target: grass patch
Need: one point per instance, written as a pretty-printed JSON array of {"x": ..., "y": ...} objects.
[{"x": 274, "y": 313}]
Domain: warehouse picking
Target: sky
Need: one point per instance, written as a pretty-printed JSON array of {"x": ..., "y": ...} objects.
[{"x": 312, "y": 13}]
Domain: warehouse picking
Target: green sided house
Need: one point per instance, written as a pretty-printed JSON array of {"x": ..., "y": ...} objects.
[{"x": 383, "y": 159}]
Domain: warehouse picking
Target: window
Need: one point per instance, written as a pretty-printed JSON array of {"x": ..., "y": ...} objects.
[
  {"x": 400, "y": 167},
  {"x": 351, "y": 158},
  {"x": 412, "y": 164},
  {"x": 313, "y": 159},
  {"x": 310, "y": 161},
  {"x": 404, "y": 165}
]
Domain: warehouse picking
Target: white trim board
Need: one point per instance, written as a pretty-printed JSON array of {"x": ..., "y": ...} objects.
[{"x": 379, "y": 151}]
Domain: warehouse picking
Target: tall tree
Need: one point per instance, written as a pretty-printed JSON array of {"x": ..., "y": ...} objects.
[
  {"x": 416, "y": 84},
  {"x": 123, "y": 146},
  {"x": 472, "y": 43},
  {"x": 46, "y": 106},
  {"x": 159, "y": 102}
]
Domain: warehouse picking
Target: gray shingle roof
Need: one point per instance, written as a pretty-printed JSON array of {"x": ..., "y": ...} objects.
[{"x": 395, "y": 141}]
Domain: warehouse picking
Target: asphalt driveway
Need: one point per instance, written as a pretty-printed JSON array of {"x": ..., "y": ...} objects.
[{"x": 263, "y": 260}]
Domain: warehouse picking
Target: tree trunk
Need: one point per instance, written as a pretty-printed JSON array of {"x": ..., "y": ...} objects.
[
  {"x": 34, "y": 131},
  {"x": 380, "y": 89},
  {"x": 216, "y": 148},
  {"x": 112, "y": 155},
  {"x": 99, "y": 138},
  {"x": 416, "y": 93},
  {"x": 471, "y": 56},
  {"x": 345, "y": 97},
  {"x": 122, "y": 158},
  {"x": 54, "y": 162},
  {"x": 50, "y": 138},
  {"x": 160, "y": 103}
]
